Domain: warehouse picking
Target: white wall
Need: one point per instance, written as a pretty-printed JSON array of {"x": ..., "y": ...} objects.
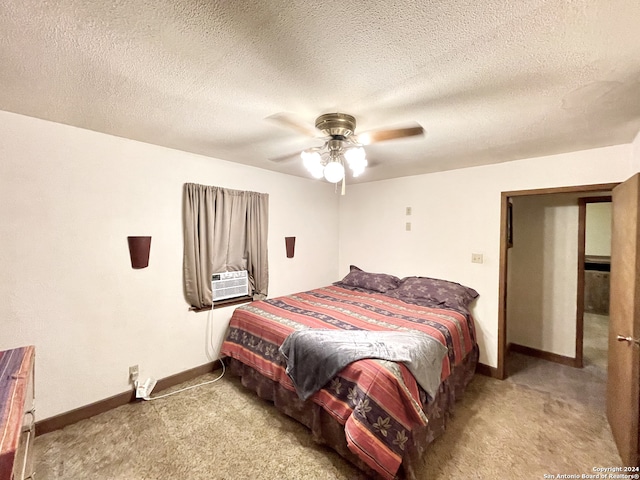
[
  {"x": 68, "y": 200},
  {"x": 543, "y": 279},
  {"x": 598, "y": 229},
  {"x": 636, "y": 153},
  {"x": 457, "y": 213}
]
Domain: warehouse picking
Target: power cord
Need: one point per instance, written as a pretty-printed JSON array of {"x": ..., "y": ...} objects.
[
  {"x": 210, "y": 335},
  {"x": 189, "y": 388}
]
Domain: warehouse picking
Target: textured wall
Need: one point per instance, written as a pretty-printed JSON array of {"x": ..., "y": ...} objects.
[
  {"x": 68, "y": 200},
  {"x": 455, "y": 214}
]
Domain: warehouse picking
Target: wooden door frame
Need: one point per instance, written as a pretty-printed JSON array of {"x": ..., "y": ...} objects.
[
  {"x": 582, "y": 236},
  {"x": 505, "y": 198}
]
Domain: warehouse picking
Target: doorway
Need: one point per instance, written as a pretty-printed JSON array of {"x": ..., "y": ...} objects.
[
  {"x": 506, "y": 235},
  {"x": 594, "y": 266},
  {"x": 546, "y": 292},
  {"x": 623, "y": 385}
]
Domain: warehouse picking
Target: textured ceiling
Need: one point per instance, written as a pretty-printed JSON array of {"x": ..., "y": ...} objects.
[{"x": 490, "y": 81}]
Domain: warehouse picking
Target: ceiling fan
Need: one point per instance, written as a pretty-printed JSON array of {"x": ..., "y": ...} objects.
[{"x": 341, "y": 144}]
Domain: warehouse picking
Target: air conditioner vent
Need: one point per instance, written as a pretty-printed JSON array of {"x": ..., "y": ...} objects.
[{"x": 226, "y": 285}]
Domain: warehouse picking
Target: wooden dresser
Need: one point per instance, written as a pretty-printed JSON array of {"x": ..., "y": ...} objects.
[{"x": 17, "y": 420}]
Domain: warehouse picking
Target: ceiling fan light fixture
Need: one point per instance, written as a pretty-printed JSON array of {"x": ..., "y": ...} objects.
[
  {"x": 341, "y": 144},
  {"x": 357, "y": 171},
  {"x": 355, "y": 154},
  {"x": 357, "y": 160},
  {"x": 312, "y": 161},
  {"x": 334, "y": 171}
]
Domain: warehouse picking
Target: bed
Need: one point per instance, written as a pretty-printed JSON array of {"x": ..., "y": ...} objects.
[{"x": 373, "y": 412}]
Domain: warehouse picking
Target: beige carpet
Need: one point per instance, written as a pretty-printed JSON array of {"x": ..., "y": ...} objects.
[
  {"x": 596, "y": 339},
  {"x": 223, "y": 431}
]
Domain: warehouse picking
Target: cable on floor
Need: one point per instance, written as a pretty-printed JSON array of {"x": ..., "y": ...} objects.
[
  {"x": 189, "y": 388},
  {"x": 149, "y": 398}
]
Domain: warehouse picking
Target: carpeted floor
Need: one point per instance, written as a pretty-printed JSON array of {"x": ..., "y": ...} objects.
[
  {"x": 223, "y": 431},
  {"x": 586, "y": 386},
  {"x": 596, "y": 339}
]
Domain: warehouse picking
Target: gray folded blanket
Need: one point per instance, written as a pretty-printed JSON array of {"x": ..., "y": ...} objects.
[{"x": 315, "y": 356}]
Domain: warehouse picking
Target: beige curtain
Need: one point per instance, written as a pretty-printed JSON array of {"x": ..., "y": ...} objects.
[{"x": 224, "y": 230}]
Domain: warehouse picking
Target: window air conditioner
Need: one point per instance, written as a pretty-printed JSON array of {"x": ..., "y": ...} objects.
[{"x": 229, "y": 285}]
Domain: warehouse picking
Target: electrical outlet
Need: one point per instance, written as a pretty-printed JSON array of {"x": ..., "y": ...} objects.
[
  {"x": 133, "y": 373},
  {"x": 476, "y": 258},
  {"x": 407, "y": 226},
  {"x": 408, "y": 211}
]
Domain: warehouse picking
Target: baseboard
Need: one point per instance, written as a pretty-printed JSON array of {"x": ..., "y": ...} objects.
[
  {"x": 534, "y": 352},
  {"x": 60, "y": 421},
  {"x": 487, "y": 370}
]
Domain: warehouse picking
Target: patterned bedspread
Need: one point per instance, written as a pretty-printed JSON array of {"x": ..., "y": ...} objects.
[{"x": 377, "y": 401}]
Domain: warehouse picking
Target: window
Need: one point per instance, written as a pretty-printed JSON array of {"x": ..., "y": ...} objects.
[{"x": 224, "y": 230}]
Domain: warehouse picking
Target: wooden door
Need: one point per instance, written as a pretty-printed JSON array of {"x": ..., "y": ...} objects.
[{"x": 623, "y": 393}]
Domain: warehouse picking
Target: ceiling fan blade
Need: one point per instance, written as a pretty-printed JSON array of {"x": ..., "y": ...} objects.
[
  {"x": 375, "y": 136},
  {"x": 286, "y": 158},
  {"x": 289, "y": 120}
]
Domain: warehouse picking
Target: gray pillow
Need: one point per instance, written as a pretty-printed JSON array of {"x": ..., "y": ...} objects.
[
  {"x": 435, "y": 293},
  {"x": 377, "y": 282}
]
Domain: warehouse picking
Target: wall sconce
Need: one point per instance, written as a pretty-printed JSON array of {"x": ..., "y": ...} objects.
[
  {"x": 139, "y": 250},
  {"x": 290, "y": 244}
]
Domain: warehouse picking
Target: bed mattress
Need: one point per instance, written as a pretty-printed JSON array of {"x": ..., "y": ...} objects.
[{"x": 381, "y": 410}]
